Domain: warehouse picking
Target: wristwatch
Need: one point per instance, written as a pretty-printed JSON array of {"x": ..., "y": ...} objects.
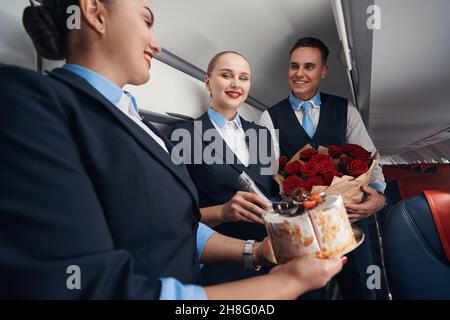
[{"x": 247, "y": 254}]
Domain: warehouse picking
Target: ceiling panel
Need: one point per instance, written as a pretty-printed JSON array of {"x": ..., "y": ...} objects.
[
  {"x": 410, "y": 96},
  {"x": 262, "y": 30}
]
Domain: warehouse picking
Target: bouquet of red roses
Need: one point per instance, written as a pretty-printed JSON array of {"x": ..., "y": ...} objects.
[{"x": 330, "y": 169}]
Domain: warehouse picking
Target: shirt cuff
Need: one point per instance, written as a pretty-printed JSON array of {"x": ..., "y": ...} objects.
[
  {"x": 203, "y": 234},
  {"x": 377, "y": 186},
  {"x": 172, "y": 289}
]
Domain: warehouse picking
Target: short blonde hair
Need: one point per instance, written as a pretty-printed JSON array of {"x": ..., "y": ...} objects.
[{"x": 214, "y": 60}]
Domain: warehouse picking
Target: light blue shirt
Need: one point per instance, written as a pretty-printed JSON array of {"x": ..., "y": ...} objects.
[
  {"x": 295, "y": 102},
  {"x": 107, "y": 88},
  {"x": 220, "y": 120},
  {"x": 171, "y": 289},
  {"x": 377, "y": 186}
]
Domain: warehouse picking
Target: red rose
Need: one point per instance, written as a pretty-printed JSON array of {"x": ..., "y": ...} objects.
[
  {"x": 293, "y": 168},
  {"x": 328, "y": 177},
  {"x": 319, "y": 157},
  {"x": 349, "y": 147},
  {"x": 292, "y": 184},
  {"x": 356, "y": 151},
  {"x": 325, "y": 166},
  {"x": 362, "y": 155},
  {"x": 346, "y": 160},
  {"x": 335, "y": 151},
  {"x": 305, "y": 155},
  {"x": 313, "y": 181},
  {"x": 282, "y": 161},
  {"x": 357, "y": 167},
  {"x": 309, "y": 169}
]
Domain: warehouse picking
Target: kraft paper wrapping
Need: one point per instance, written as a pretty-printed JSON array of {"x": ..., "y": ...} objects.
[{"x": 347, "y": 186}]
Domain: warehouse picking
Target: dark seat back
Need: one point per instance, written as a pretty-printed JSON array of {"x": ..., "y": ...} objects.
[{"x": 416, "y": 264}]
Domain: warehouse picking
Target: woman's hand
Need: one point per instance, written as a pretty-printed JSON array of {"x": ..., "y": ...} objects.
[
  {"x": 286, "y": 281},
  {"x": 309, "y": 273},
  {"x": 244, "y": 206},
  {"x": 373, "y": 204}
]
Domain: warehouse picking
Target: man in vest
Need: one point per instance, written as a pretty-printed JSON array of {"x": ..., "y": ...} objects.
[{"x": 317, "y": 118}]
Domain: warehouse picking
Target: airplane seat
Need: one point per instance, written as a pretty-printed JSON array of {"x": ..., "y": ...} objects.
[
  {"x": 417, "y": 247},
  {"x": 406, "y": 181}
]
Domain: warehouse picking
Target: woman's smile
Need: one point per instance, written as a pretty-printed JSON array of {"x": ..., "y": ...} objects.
[
  {"x": 148, "y": 56},
  {"x": 233, "y": 94}
]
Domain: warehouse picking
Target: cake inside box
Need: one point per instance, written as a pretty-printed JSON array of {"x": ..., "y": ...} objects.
[{"x": 323, "y": 231}]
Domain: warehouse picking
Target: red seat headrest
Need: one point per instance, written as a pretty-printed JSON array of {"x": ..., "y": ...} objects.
[{"x": 439, "y": 202}]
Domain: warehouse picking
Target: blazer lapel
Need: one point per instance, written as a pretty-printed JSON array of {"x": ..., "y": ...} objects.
[
  {"x": 141, "y": 136},
  {"x": 251, "y": 170},
  {"x": 167, "y": 142}
]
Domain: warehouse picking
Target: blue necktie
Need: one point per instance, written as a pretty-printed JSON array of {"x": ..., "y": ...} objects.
[{"x": 307, "y": 123}]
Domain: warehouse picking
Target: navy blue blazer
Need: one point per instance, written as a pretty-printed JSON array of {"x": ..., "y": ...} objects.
[
  {"x": 217, "y": 183},
  {"x": 81, "y": 184}
]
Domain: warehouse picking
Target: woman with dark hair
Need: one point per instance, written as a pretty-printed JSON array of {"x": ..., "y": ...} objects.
[{"x": 91, "y": 205}]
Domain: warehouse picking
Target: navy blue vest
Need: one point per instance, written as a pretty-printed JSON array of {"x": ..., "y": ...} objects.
[{"x": 331, "y": 130}]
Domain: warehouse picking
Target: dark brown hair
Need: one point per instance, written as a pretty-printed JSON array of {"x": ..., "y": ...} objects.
[
  {"x": 313, "y": 43},
  {"x": 46, "y": 25}
]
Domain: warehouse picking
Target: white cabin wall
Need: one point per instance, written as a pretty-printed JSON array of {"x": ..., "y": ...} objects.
[
  {"x": 16, "y": 47},
  {"x": 250, "y": 113},
  {"x": 263, "y": 31},
  {"x": 170, "y": 90}
]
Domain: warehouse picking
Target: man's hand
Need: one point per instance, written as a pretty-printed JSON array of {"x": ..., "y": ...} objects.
[
  {"x": 373, "y": 203},
  {"x": 244, "y": 206}
]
